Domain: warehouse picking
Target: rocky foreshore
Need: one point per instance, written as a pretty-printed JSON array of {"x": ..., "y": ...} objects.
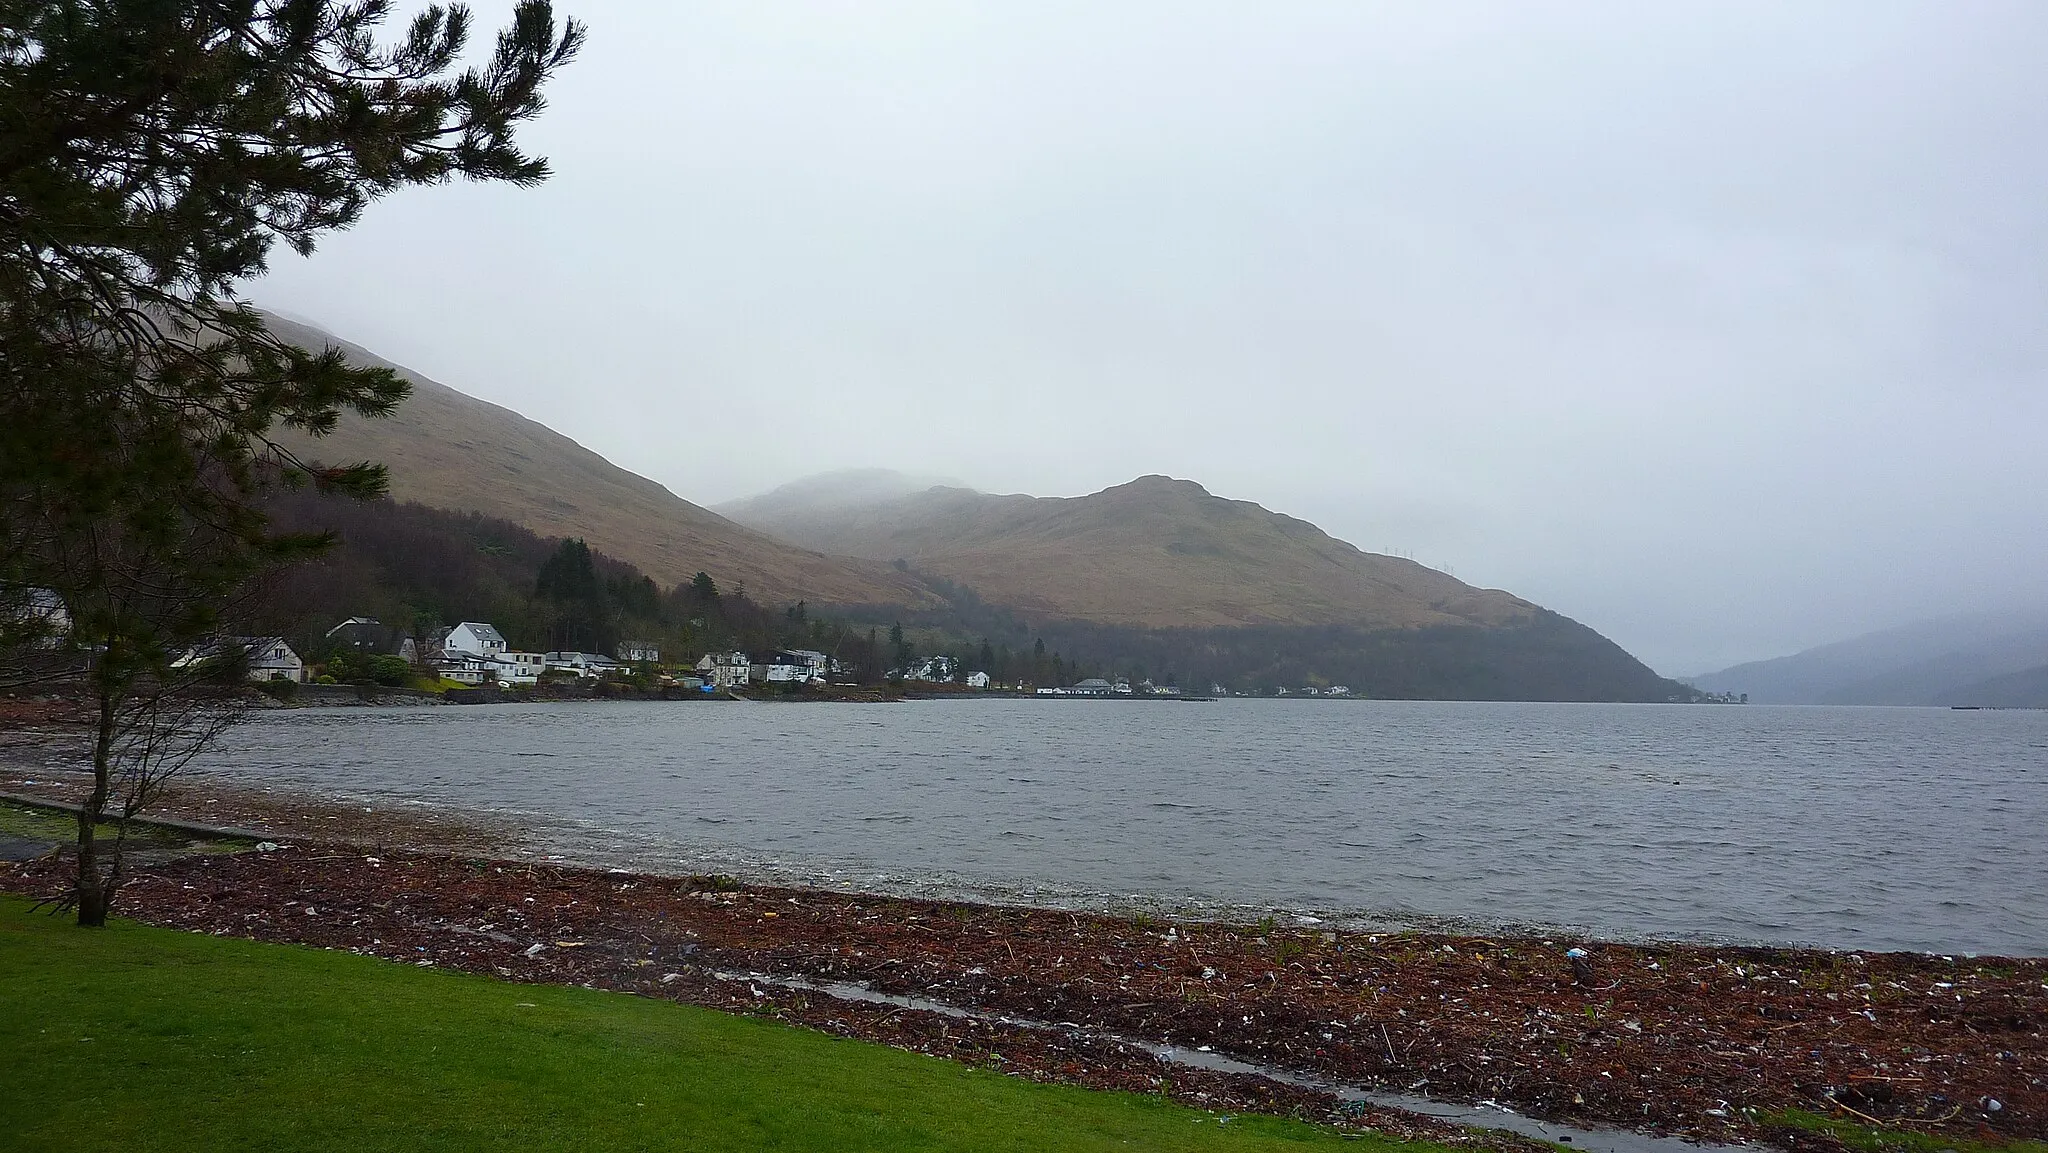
[{"x": 1709, "y": 1043}]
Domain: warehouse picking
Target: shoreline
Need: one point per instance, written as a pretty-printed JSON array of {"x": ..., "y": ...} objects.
[
  {"x": 311, "y": 813},
  {"x": 1709, "y": 1042}
]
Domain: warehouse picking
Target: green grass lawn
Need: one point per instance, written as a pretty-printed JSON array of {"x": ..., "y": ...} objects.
[{"x": 135, "y": 1038}]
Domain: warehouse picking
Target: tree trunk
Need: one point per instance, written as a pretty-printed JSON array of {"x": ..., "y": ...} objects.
[{"x": 91, "y": 893}]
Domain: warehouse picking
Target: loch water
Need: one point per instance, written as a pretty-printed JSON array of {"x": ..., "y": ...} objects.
[{"x": 1855, "y": 828}]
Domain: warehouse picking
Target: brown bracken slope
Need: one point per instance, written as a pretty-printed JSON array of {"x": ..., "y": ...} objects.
[
  {"x": 1156, "y": 552},
  {"x": 450, "y": 450}
]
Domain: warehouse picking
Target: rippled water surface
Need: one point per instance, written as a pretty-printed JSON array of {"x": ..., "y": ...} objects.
[{"x": 1867, "y": 828}]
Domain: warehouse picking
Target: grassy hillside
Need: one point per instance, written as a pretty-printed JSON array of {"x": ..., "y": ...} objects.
[
  {"x": 1154, "y": 553},
  {"x": 138, "y": 1038},
  {"x": 454, "y": 451}
]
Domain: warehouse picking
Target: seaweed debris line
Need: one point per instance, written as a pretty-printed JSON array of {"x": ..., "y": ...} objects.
[{"x": 1409, "y": 1033}]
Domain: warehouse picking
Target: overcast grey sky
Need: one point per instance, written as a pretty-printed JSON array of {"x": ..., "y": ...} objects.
[{"x": 1720, "y": 327}]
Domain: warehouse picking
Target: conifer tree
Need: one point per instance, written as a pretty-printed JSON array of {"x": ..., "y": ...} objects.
[{"x": 151, "y": 153}]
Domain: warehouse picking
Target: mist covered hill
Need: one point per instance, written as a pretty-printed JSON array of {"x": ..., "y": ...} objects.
[
  {"x": 450, "y": 450},
  {"x": 1971, "y": 659},
  {"x": 1155, "y": 576},
  {"x": 1154, "y": 553},
  {"x": 1204, "y": 589}
]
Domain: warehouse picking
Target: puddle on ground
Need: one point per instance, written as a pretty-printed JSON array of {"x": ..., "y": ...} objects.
[{"x": 1486, "y": 1115}]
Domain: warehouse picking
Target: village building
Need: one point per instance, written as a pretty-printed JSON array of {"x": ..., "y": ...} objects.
[
  {"x": 370, "y": 636},
  {"x": 1092, "y": 687},
  {"x": 725, "y": 670},
  {"x": 579, "y": 664},
  {"x": 474, "y": 639},
  {"x": 931, "y": 670},
  {"x": 820, "y": 666},
  {"x": 639, "y": 652},
  {"x": 1340, "y": 690},
  {"x": 36, "y": 613},
  {"x": 517, "y": 668},
  {"x": 270, "y": 658},
  {"x": 977, "y": 680}
]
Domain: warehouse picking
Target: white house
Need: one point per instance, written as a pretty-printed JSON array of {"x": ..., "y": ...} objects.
[
  {"x": 474, "y": 639},
  {"x": 932, "y": 670},
  {"x": 819, "y": 665},
  {"x": 1340, "y": 690},
  {"x": 582, "y": 664},
  {"x": 639, "y": 652},
  {"x": 725, "y": 670},
  {"x": 977, "y": 680},
  {"x": 37, "y": 613},
  {"x": 517, "y": 668},
  {"x": 270, "y": 658},
  {"x": 793, "y": 667}
]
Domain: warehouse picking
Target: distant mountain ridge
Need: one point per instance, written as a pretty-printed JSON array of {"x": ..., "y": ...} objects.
[
  {"x": 1153, "y": 553},
  {"x": 1173, "y": 577},
  {"x": 1967, "y": 659},
  {"x": 1156, "y": 573}
]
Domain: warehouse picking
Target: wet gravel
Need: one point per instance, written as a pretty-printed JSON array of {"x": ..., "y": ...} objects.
[{"x": 1700, "y": 1042}]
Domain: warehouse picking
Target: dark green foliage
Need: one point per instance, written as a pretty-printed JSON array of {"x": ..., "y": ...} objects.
[
  {"x": 372, "y": 668},
  {"x": 398, "y": 562},
  {"x": 568, "y": 576},
  {"x": 151, "y": 152}
]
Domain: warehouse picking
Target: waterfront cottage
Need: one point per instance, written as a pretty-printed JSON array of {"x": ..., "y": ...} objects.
[
  {"x": 639, "y": 652},
  {"x": 818, "y": 666},
  {"x": 941, "y": 670},
  {"x": 270, "y": 658},
  {"x": 725, "y": 670},
  {"x": 517, "y": 668},
  {"x": 580, "y": 664}
]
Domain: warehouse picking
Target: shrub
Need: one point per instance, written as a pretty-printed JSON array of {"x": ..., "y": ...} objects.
[{"x": 278, "y": 688}]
